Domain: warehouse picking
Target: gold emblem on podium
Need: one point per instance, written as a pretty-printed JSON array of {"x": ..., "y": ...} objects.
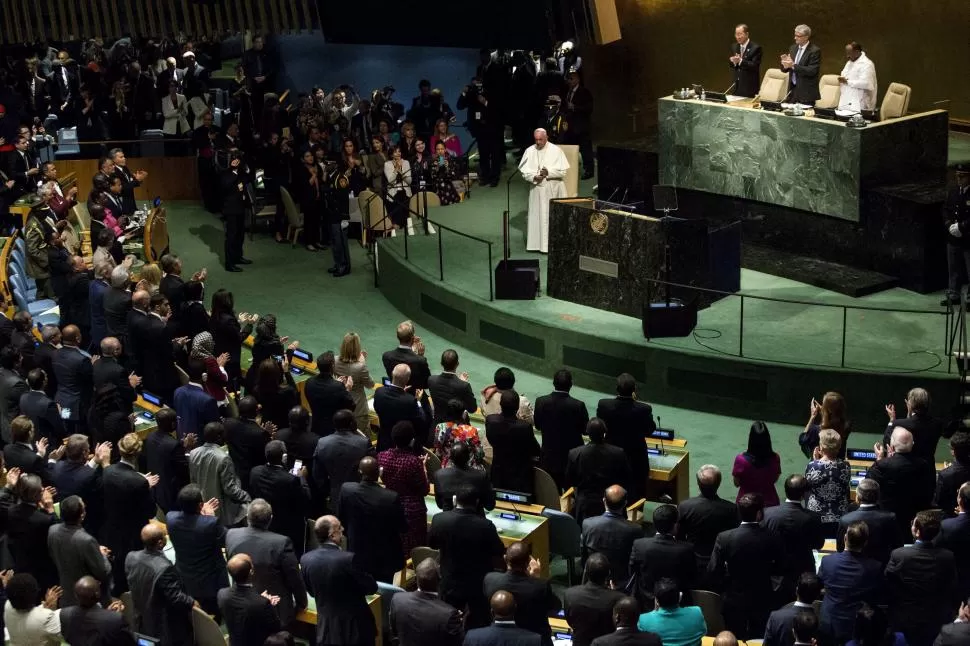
[{"x": 599, "y": 223}]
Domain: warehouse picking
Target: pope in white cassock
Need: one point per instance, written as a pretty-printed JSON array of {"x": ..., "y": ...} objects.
[
  {"x": 857, "y": 80},
  {"x": 544, "y": 166}
]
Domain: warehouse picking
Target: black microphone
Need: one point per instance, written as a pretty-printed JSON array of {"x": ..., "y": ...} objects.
[
  {"x": 623, "y": 199},
  {"x": 613, "y": 194},
  {"x": 730, "y": 88},
  {"x": 660, "y": 436},
  {"x": 787, "y": 95}
]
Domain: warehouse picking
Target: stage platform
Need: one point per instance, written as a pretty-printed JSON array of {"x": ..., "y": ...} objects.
[{"x": 749, "y": 356}]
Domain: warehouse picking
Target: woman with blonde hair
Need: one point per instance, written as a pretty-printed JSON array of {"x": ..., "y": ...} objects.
[
  {"x": 352, "y": 363},
  {"x": 829, "y": 414},
  {"x": 828, "y": 476},
  {"x": 149, "y": 278}
]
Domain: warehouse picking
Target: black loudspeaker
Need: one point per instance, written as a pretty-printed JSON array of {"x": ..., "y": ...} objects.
[
  {"x": 664, "y": 319},
  {"x": 517, "y": 279}
]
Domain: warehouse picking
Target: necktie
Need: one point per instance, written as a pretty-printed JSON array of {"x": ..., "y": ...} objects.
[{"x": 798, "y": 57}]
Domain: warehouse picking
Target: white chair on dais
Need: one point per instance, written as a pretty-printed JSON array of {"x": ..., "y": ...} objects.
[
  {"x": 774, "y": 85},
  {"x": 896, "y": 102}
]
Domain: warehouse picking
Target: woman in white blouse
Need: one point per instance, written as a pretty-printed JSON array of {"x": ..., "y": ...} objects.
[
  {"x": 397, "y": 171},
  {"x": 27, "y": 622},
  {"x": 174, "y": 109}
]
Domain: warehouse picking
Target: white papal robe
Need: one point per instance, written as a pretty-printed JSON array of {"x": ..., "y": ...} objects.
[{"x": 552, "y": 187}]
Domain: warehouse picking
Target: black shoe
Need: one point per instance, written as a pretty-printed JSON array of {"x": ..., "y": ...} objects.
[
  {"x": 332, "y": 270},
  {"x": 244, "y": 261},
  {"x": 341, "y": 274},
  {"x": 233, "y": 268},
  {"x": 587, "y": 176},
  {"x": 494, "y": 184}
]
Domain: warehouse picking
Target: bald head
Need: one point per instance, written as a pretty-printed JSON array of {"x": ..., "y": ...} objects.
[
  {"x": 901, "y": 440},
  {"x": 88, "y": 591},
  {"x": 517, "y": 556},
  {"x": 708, "y": 480},
  {"x": 427, "y": 575},
  {"x": 615, "y": 498},
  {"x": 110, "y": 347},
  {"x": 152, "y": 536},
  {"x": 503, "y": 606},
  {"x": 369, "y": 470},
  {"x": 401, "y": 375},
  {"x": 725, "y": 638},
  {"x": 141, "y": 299},
  {"x": 328, "y": 528},
  {"x": 626, "y": 612},
  {"x": 240, "y": 568},
  {"x": 71, "y": 335}
]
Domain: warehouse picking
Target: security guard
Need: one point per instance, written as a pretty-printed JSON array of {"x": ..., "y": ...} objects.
[{"x": 957, "y": 213}]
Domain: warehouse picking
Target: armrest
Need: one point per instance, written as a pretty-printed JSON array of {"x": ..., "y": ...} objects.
[
  {"x": 401, "y": 577},
  {"x": 568, "y": 500},
  {"x": 635, "y": 511}
]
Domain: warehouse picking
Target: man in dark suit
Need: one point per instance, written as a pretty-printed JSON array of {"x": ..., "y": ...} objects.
[
  {"x": 926, "y": 429},
  {"x": 802, "y": 62},
  {"x": 404, "y": 353},
  {"x": 117, "y": 305},
  {"x": 958, "y": 632},
  {"x": 562, "y": 421},
  {"x": 139, "y": 326},
  {"x": 420, "y": 617},
  {"x": 534, "y": 599},
  {"x": 75, "y": 552},
  {"x": 27, "y": 525},
  {"x": 337, "y": 456},
  {"x": 798, "y": 528},
  {"x": 75, "y": 380},
  {"x": 457, "y": 475},
  {"x": 883, "y": 530},
  {"x": 50, "y": 336},
  {"x": 703, "y": 517},
  {"x": 956, "y": 211},
  {"x": 172, "y": 285},
  {"x": 275, "y": 562},
  {"x": 955, "y": 536},
  {"x": 22, "y": 338},
  {"x": 745, "y": 63},
  {"x": 577, "y": 111},
  {"x": 755, "y": 555},
  {"x": 64, "y": 93},
  {"x": 589, "y": 606},
  {"x": 90, "y": 624},
  {"x": 470, "y": 548},
  {"x": 234, "y": 202},
  {"x": 778, "y": 631},
  {"x": 662, "y": 556},
  {"x": 398, "y": 403},
  {"x": 921, "y": 580},
  {"x": 327, "y": 395},
  {"x": 503, "y": 631},
  {"x": 36, "y": 96},
  {"x": 450, "y": 385},
  {"x": 128, "y": 506},
  {"x": 374, "y": 518},
  {"x": 160, "y": 604},
  {"x": 198, "y": 538},
  {"x": 18, "y": 166},
  {"x": 611, "y": 534},
  {"x": 12, "y": 388},
  {"x": 590, "y": 469},
  {"x": 850, "y": 578},
  {"x": 626, "y": 613},
  {"x": 906, "y": 481},
  {"x": 129, "y": 180},
  {"x": 249, "y": 613},
  {"x": 42, "y": 410},
  {"x": 108, "y": 370},
  {"x": 246, "y": 439},
  {"x": 515, "y": 451},
  {"x": 628, "y": 423},
  {"x": 950, "y": 479},
  {"x": 73, "y": 477},
  {"x": 22, "y": 453},
  {"x": 300, "y": 441},
  {"x": 194, "y": 406},
  {"x": 288, "y": 494},
  {"x": 165, "y": 456},
  {"x": 339, "y": 586},
  {"x": 158, "y": 358}
]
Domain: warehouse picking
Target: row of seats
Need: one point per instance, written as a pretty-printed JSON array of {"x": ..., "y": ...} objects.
[
  {"x": 21, "y": 286},
  {"x": 895, "y": 104}
]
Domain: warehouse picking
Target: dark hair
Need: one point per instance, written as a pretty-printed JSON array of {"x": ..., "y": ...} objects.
[
  {"x": 71, "y": 509},
  {"x": 598, "y": 568},
  {"x": 809, "y": 587},
  {"x": 248, "y": 407},
  {"x": 9, "y": 356},
  {"x": 282, "y": 638},
  {"x": 665, "y": 518},
  {"x": 509, "y": 402},
  {"x": 189, "y": 499},
  {"x": 454, "y": 410},
  {"x": 626, "y": 385},
  {"x": 222, "y": 303},
  {"x": 596, "y": 430},
  {"x": 449, "y": 360},
  {"x": 467, "y": 496},
  {"x": 856, "y": 536},
  {"x": 344, "y": 420},
  {"x": 666, "y": 593},
  {"x": 796, "y": 486},
  {"x": 266, "y": 328},
  {"x": 872, "y": 627},
  {"x": 504, "y": 378},
  {"x": 759, "y": 445},
  {"x": 192, "y": 290},
  {"x": 460, "y": 454},
  {"x": 928, "y": 524},
  {"x": 274, "y": 451},
  {"x": 23, "y": 592},
  {"x": 167, "y": 420},
  {"x": 749, "y": 506},
  {"x": 268, "y": 378},
  {"x": 562, "y": 380},
  {"x": 402, "y": 434},
  {"x": 212, "y": 432},
  {"x": 805, "y": 626},
  {"x": 299, "y": 419},
  {"x": 35, "y": 378},
  {"x": 325, "y": 363},
  {"x": 195, "y": 369},
  {"x": 960, "y": 445}
]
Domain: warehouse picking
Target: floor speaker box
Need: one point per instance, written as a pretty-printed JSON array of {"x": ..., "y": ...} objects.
[
  {"x": 517, "y": 279},
  {"x": 665, "y": 319}
]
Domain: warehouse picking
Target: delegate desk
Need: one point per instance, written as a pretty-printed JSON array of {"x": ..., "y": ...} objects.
[
  {"x": 669, "y": 470},
  {"x": 300, "y": 370},
  {"x": 811, "y": 164}
]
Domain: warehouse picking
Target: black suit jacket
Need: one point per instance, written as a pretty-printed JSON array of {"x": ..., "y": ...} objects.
[
  {"x": 591, "y": 469},
  {"x": 172, "y": 286},
  {"x": 906, "y": 486},
  {"x": 448, "y": 386},
  {"x": 804, "y": 86},
  {"x": 43, "y": 412},
  {"x": 884, "y": 535},
  {"x": 801, "y": 532},
  {"x": 12, "y": 386},
  {"x": 420, "y": 618},
  {"x": 25, "y": 458},
  {"x": 515, "y": 452},
  {"x": 747, "y": 73},
  {"x": 922, "y": 586},
  {"x": 275, "y": 564},
  {"x": 702, "y": 520},
  {"x": 742, "y": 564},
  {"x": 128, "y": 186},
  {"x": 628, "y": 638},
  {"x": 326, "y": 396},
  {"x": 450, "y": 480},
  {"x": 418, "y": 364},
  {"x": 228, "y": 336},
  {"x": 953, "y": 635},
  {"x": 192, "y": 319},
  {"x": 374, "y": 520},
  {"x": 44, "y": 358},
  {"x": 78, "y": 479},
  {"x": 948, "y": 482},
  {"x": 534, "y": 600},
  {"x": 393, "y": 405},
  {"x": 661, "y": 556},
  {"x": 75, "y": 382},
  {"x": 165, "y": 457},
  {"x": 589, "y": 611},
  {"x": 926, "y": 430},
  {"x": 117, "y": 304},
  {"x": 778, "y": 632},
  {"x": 335, "y": 462},
  {"x": 94, "y": 627},
  {"x": 128, "y": 506},
  {"x": 562, "y": 421},
  {"x": 339, "y": 587},
  {"x": 26, "y": 529},
  {"x": 613, "y": 536},
  {"x": 157, "y": 359},
  {"x": 955, "y": 536},
  {"x": 249, "y": 616},
  {"x": 107, "y": 370},
  {"x": 470, "y": 547},
  {"x": 233, "y": 202},
  {"x": 289, "y": 497},
  {"x": 628, "y": 423},
  {"x": 579, "y": 116},
  {"x": 247, "y": 442},
  {"x": 502, "y": 635}
]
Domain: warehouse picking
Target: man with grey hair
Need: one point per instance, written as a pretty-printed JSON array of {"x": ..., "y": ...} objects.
[
  {"x": 398, "y": 402},
  {"x": 925, "y": 428},
  {"x": 884, "y": 534},
  {"x": 544, "y": 166},
  {"x": 274, "y": 560},
  {"x": 745, "y": 62},
  {"x": 802, "y": 62},
  {"x": 129, "y": 180},
  {"x": 906, "y": 480},
  {"x": 705, "y": 516},
  {"x": 96, "y": 291},
  {"x": 117, "y": 304}
]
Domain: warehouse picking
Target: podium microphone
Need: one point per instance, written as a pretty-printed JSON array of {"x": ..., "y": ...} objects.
[
  {"x": 787, "y": 95},
  {"x": 730, "y": 88}
]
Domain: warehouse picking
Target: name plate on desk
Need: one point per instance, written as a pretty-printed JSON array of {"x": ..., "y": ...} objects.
[{"x": 597, "y": 266}]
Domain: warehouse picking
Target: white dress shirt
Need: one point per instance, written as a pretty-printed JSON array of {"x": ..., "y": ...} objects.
[
  {"x": 859, "y": 90},
  {"x": 36, "y": 627}
]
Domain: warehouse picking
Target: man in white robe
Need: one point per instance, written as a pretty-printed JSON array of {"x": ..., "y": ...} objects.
[
  {"x": 544, "y": 166},
  {"x": 857, "y": 80}
]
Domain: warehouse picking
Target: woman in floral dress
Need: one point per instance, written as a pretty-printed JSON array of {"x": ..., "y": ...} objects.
[
  {"x": 829, "y": 477},
  {"x": 404, "y": 473},
  {"x": 456, "y": 429}
]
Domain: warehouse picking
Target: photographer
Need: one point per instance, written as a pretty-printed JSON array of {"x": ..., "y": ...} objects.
[{"x": 485, "y": 125}]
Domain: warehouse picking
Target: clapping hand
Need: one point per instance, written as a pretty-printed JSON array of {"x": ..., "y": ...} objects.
[
  {"x": 813, "y": 409},
  {"x": 270, "y": 428},
  {"x": 102, "y": 454},
  {"x": 134, "y": 380},
  {"x": 210, "y": 507},
  {"x": 273, "y": 598},
  {"x": 463, "y": 376},
  {"x": 736, "y": 59},
  {"x": 42, "y": 447},
  {"x": 13, "y": 476},
  {"x": 152, "y": 479},
  {"x": 535, "y": 567},
  {"x": 891, "y": 412},
  {"x": 47, "y": 498},
  {"x": 223, "y": 359},
  {"x": 189, "y": 441},
  {"x": 880, "y": 450},
  {"x": 104, "y": 551},
  {"x": 52, "y": 597},
  {"x": 58, "y": 453},
  {"x": 5, "y": 577},
  {"x": 116, "y": 606}
]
